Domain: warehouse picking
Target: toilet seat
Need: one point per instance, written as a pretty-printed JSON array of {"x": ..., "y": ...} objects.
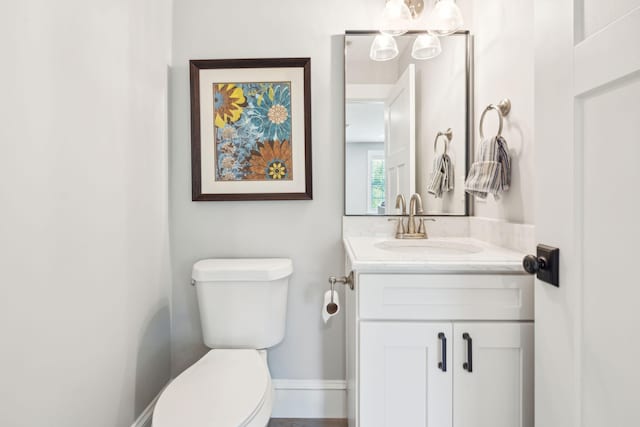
[{"x": 225, "y": 388}]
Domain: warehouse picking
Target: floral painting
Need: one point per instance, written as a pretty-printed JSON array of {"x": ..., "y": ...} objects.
[{"x": 252, "y": 131}]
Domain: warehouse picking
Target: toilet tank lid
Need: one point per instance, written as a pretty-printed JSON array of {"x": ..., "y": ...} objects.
[{"x": 241, "y": 269}]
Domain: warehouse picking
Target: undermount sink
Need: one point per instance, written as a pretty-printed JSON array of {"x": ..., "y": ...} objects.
[
  {"x": 428, "y": 247},
  {"x": 384, "y": 254}
]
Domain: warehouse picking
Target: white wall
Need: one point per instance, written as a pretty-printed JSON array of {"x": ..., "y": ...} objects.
[
  {"x": 504, "y": 55},
  {"x": 307, "y": 231},
  {"x": 84, "y": 261},
  {"x": 441, "y": 104}
]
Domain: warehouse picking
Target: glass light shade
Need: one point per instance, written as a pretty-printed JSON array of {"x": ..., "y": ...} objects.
[
  {"x": 383, "y": 48},
  {"x": 396, "y": 18},
  {"x": 446, "y": 18},
  {"x": 426, "y": 46}
]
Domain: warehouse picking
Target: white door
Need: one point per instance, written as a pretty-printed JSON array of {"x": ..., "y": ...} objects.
[
  {"x": 402, "y": 379},
  {"x": 493, "y": 374},
  {"x": 400, "y": 139},
  {"x": 587, "y": 128}
]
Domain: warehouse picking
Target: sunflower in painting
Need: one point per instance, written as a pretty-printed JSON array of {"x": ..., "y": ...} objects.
[
  {"x": 277, "y": 170},
  {"x": 270, "y": 161},
  {"x": 228, "y": 103}
]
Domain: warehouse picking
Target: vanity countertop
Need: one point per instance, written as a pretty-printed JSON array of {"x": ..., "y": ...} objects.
[{"x": 369, "y": 254}]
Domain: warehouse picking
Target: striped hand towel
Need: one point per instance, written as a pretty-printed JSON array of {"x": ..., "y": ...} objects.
[
  {"x": 442, "y": 179},
  {"x": 491, "y": 172}
]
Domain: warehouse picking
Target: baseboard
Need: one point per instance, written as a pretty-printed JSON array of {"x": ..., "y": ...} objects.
[
  {"x": 145, "y": 418},
  {"x": 310, "y": 399}
]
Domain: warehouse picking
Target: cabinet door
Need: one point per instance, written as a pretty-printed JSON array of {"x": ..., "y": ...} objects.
[
  {"x": 493, "y": 374},
  {"x": 402, "y": 379}
]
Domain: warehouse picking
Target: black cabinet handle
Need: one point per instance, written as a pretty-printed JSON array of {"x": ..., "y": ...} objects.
[
  {"x": 468, "y": 365},
  {"x": 443, "y": 343}
]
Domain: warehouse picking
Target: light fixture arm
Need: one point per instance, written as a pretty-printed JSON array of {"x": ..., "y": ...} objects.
[{"x": 416, "y": 7}]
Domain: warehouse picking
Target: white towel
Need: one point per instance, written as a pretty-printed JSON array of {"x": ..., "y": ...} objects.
[
  {"x": 491, "y": 172},
  {"x": 442, "y": 177}
]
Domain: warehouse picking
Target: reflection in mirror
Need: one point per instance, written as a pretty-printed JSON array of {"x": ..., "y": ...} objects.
[{"x": 394, "y": 110}]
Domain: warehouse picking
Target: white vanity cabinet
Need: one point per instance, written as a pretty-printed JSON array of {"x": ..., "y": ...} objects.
[
  {"x": 497, "y": 390},
  {"x": 440, "y": 350},
  {"x": 401, "y": 383}
]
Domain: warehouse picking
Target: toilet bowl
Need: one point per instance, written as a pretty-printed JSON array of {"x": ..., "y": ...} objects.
[{"x": 242, "y": 306}]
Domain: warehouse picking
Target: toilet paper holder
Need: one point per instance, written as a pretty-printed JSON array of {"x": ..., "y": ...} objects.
[
  {"x": 332, "y": 306},
  {"x": 346, "y": 280}
]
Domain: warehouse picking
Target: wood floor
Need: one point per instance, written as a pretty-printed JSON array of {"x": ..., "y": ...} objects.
[{"x": 300, "y": 422}]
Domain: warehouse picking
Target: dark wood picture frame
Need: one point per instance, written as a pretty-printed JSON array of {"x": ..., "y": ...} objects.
[{"x": 196, "y": 66}]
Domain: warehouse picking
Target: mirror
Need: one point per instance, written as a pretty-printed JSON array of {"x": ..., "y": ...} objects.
[{"x": 394, "y": 110}]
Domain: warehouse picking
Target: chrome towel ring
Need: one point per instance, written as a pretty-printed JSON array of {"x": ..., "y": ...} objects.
[
  {"x": 448, "y": 134},
  {"x": 502, "y": 108}
]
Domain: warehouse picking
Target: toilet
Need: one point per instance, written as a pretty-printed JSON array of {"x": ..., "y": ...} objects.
[{"x": 242, "y": 306}]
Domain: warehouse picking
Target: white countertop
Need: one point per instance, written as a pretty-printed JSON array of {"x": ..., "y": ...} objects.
[{"x": 366, "y": 256}]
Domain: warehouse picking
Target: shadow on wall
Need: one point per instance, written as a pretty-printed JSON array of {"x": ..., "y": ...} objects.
[
  {"x": 154, "y": 356},
  {"x": 517, "y": 193},
  {"x": 333, "y": 340}
]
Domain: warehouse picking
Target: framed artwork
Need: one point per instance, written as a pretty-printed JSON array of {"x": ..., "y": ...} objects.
[{"x": 251, "y": 129}]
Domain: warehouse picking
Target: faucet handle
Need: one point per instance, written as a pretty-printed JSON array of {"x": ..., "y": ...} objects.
[
  {"x": 421, "y": 226},
  {"x": 399, "y": 227}
]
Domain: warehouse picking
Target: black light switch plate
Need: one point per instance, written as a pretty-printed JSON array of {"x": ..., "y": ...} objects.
[{"x": 551, "y": 271}]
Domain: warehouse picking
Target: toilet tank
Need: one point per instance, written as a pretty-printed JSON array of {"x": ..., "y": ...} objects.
[{"x": 242, "y": 301}]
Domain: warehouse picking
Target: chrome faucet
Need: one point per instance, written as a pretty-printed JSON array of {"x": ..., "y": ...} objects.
[
  {"x": 415, "y": 208},
  {"x": 401, "y": 203}
]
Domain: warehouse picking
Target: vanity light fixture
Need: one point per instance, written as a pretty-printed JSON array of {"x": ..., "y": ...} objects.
[
  {"x": 426, "y": 46},
  {"x": 398, "y": 14},
  {"x": 383, "y": 48},
  {"x": 446, "y": 18},
  {"x": 397, "y": 17}
]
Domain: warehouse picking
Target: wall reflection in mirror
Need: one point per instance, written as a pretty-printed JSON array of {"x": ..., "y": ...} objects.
[{"x": 407, "y": 126}]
